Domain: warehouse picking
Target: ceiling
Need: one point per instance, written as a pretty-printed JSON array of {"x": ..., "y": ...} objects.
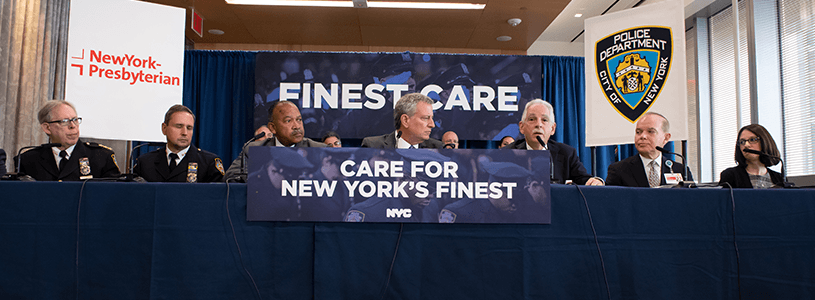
[
  {"x": 543, "y": 21},
  {"x": 477, "y": 29}
]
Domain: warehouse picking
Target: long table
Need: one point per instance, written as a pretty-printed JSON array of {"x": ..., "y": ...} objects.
[{"x": 102, "y": 240}]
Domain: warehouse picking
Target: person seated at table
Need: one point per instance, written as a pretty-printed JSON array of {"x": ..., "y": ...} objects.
[
  {"x": 538, "y": 120},
  {"x": 332, "y": 139},
  {"x": 413, "y": 118},
  {"x": 506, "y": 140},
  {"x": 752, "y": 170},
  {"x": 286, "y": 123},
  {"x": 2, "y": 162},
  {"x": 179, "y": 160},
  {"x": 72, "y": 160},
  {"x": 450, "y": 140},
  {"x": 646, "y": 169}
]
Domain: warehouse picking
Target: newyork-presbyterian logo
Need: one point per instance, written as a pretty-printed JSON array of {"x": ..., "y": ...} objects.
[
  {"x": 632, "y": 66},
  {"x": 124, "y": 67}
]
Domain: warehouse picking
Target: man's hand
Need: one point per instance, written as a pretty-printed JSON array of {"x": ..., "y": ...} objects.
[{"x": 595, "y": 181}]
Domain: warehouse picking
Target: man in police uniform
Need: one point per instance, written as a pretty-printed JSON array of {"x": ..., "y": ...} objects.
[
  {"x": 286, "y": 124},
  {"x": 179, "y": 161},
  {"x": 73, "y": 159},
  {"x": 647, "y": 168},
  {"x": 538, "y": 119},
  {"x": 413, "y": 117}
]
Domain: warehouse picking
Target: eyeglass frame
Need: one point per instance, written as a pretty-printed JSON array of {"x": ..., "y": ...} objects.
[
  {"x": 65, "y": 122},
  {"x": 752, "y": 140}
]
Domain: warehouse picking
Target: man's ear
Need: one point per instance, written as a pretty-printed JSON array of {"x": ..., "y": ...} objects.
[
  {"x": 667, "y": 139},
  {"x": 404, "y": 118},
  {"x": 271, "y": 127},
  {"x": 45, "y": 128},
  {"x": 163, "y": 129},
  {"x": 554, "y": 129}
]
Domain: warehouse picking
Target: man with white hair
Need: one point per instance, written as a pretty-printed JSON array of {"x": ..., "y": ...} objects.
[{"x": 538, "y": 120}]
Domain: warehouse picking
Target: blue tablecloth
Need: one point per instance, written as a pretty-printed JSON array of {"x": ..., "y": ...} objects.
[{"x": 176, "y": 241}]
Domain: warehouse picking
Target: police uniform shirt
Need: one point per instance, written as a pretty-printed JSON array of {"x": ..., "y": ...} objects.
[
  {"x": 86, "y": 160},
  {"x": 193, "y": 165},
  {"x": 58, "y": 158},
  {"x": 180, "y": 155}
]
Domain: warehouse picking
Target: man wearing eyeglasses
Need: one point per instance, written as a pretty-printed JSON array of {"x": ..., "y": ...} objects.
[
  {"x": 180, "y": 160},
  {"x": 332, "y": 139},
  {"x": 647, "y": 168},
  {"x": 73, "y": 159}
]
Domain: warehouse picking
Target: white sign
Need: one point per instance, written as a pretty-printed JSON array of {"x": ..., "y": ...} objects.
[
  {"x": 125, "y": 66},
  {"x": 635, "y": 63}
]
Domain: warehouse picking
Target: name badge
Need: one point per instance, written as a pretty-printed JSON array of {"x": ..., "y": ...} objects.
[
  {"x": 192, "y": 172},
  {"x": 673, "y": 178},
  {"x": 84, "y": 169}
]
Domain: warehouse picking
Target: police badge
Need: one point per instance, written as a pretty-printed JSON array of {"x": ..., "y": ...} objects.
[
  {"x": 84, "y": 169},
  {"x": 192, "y": 172},
  {"x": 632, "y": 66}
]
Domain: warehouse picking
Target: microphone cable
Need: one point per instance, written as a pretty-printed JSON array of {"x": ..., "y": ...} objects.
[
  {"x": 237, "y": 245},
  {"x": 600, "y": 253},
  {"x": 735, "y": 244},
  {"x": 78, "y": 211},
  {"x": 393, "y": 261}
]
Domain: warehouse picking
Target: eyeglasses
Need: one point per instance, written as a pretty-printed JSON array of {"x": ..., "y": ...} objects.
[
  {"x": 336, "y": 143},
  {"x": 752, "y": 140},
  {"x": 65, "y": 122}
]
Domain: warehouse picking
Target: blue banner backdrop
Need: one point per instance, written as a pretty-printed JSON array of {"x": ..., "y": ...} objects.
[
  {"x": 398, "y": 185},
  {"x": 480, "y": 97}
]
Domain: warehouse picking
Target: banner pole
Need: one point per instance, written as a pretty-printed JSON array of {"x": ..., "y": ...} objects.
[{"x": 594, "y": 160}]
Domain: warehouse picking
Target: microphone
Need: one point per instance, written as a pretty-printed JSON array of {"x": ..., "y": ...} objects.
[
  {"x": 451, "y": 145},
  {"x": 551, "y": 163},
  {"x": 243, "y": 156},
  {"x": 684, "y": 162},
  {"x": 151, "y": 144},
  {"x": 48, "y": 145},
  {"x": 398, "y": 134},
  {"x": 783, "y": 166}
]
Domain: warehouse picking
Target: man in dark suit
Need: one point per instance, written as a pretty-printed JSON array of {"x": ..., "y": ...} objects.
[
  {"x": 286, "y": 124},
  {"x": 413, "y": 118},
  {"x": 179, "y": 161},
  {"x": 647, "y": 168},
  {"x": 72, "y": 160},
  {"x": 538, "y": 120},
  {"x": 2, "y": 162}
]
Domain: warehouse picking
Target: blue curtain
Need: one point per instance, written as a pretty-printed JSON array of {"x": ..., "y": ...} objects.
[{"x": 219, "y": 89}]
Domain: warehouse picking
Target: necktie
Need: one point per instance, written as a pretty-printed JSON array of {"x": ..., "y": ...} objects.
[
  {"x": 653, "y": 174},
  {"x": 63, "y": 159},
  {"x": 173, "y": 157},
  {"x": 411, "y": 147}
]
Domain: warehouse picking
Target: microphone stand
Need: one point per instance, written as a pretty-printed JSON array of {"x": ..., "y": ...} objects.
[
  {"x": 551, "y": 163},
  {"x": 243, "y": 172},
  {"x": 683, "y": 183},
  {"x": 784, "y": 184},
  {"x": 20, "y": 176}
]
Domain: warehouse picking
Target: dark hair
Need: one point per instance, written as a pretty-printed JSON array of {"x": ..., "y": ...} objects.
[
  {"x": 330, "y": 134},
  {"x": 505, "y": 137},
  {"x": 274, "y": 105},
  {"x": 174, "y": 109},
  {"x": 407, "y": 106},
  {"x": 767, "y": 146}
]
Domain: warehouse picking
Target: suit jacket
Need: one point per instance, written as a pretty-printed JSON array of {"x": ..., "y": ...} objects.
[
  {"x": 388, "y": 141},
  {"x": 39, "y": 163},
  {"x": 153, "y": 166},
  {"x": 2, "y": 162},
  {"x": 738, "y": 178},
  {"x": 235, "y": 168},
  {"x": 566, "y": 163},
  {"x": 631, "y": 172}
]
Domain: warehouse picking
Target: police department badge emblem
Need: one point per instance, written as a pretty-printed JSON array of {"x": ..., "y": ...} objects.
[
  {"x": 355, "y": 216},
  {"x": 192, "y": 172},
  {"x": 447, "y": 216},
  {"x": 219, "y": 165},
  {"x": 632, "y": 66},
  {"x": 84, "y": 169}
]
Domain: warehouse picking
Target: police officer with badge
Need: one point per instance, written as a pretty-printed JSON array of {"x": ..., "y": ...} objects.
[
  {"x": 70, "y": 159},
  {"x": 179, "y": 161}
]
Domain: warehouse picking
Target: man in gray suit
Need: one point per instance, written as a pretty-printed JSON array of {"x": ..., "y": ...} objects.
[
  {"x": 413, "y": 120},
  {"x": 286, "y": 124}
]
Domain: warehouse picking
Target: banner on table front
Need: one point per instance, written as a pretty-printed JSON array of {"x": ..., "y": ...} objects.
[
  {"x": 398, "y": 185},
  {"x": 480, "y": 97},
  {"x": 124, "y": 58},
  {"x": 635, "y": 63}
]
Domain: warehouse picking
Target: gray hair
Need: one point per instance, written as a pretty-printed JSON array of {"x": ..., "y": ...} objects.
[
  {"x": 666, "y": 127},
  {"x": 44, "y": 116},
  {"x": 407, "y": 106},
  {"x": 544, "y": 103}
]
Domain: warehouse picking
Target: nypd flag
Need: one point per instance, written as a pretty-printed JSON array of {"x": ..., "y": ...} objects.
[{"x": 635, "y": 63}]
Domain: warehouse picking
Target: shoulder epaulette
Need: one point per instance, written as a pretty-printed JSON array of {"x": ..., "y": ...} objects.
[{"x": 95, "y": 145}]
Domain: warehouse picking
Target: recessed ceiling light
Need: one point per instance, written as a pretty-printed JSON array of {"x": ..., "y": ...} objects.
[
  {"x": 374, "y": 4},
  {"x": 578, "y": 15},
  {"x": 216, "y": 31},
  {"x": 503, "y": 38}
]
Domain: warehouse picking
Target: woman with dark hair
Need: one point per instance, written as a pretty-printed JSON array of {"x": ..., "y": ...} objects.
[{"x": 752, "y": 171}]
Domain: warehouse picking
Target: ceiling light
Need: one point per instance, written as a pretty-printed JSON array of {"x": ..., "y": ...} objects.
[
  {"x": 514, "y": 22},
  {"x": 503, "y": 38},
  {"x": 216, "y": 31},
  {"x": 578, "y": 15},
  {"x": 374, "y": 4}
]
